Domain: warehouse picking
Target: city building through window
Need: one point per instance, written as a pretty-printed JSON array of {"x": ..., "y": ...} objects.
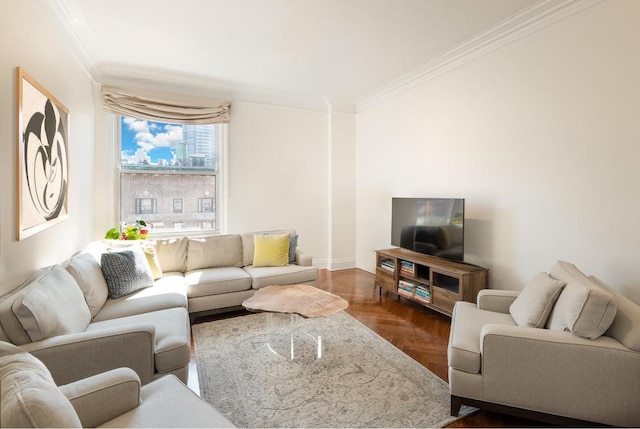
[{"x": 169, "y": 174}]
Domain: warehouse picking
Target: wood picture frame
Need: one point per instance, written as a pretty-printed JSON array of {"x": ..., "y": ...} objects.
[{"x": 42, "y": 169}]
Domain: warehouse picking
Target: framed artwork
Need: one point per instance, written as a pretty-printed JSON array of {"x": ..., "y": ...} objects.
[{"x": 42, "y": 163}]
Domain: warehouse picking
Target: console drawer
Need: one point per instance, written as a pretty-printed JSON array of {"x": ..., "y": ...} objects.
[
  {"x": 384, "y": 280},
  {"x": 443, "y": 299}
]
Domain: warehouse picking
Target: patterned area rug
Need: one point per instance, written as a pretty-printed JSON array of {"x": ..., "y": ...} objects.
[{"x": 360, "y": 380}]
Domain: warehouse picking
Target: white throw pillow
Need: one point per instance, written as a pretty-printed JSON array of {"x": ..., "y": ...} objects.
[
  {"x": 88, "y": 274},
  {"x": 533, "y": 305}
]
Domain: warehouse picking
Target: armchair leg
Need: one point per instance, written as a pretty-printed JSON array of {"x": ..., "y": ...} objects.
[{"x": 456, "y": 404}]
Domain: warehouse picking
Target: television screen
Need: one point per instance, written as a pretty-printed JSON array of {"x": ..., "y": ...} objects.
[{"x": 434, "y": 226}]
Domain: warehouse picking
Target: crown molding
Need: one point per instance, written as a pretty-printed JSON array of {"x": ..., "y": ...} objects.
[
  {"x": 68, "y": 19},
  {"x": 531, "y": 20}
]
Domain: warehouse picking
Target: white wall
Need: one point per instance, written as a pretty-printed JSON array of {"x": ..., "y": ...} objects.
[
  {"x": 342, "y": 192},
  {"x": 278, "y": 173},
  {"x": 28, "y": 40},
  {"x": 541, "y": 137}
]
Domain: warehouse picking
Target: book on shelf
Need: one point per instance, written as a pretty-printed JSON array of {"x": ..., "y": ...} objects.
[
  {"x": 408, "y": 268},
  {"x": 388, "y": 265},
  {"x": 406, "y": 288},
  {"x": 423, "y": 294}
]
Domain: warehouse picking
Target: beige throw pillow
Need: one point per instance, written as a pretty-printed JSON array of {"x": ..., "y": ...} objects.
[
  {"x": 583, "y": 308},
  {"x": 29, "y": 396},
  {"x": 51, "y": 304},
  {"x": 86, "y": 270},
  {"x": 533, "y": 305}
]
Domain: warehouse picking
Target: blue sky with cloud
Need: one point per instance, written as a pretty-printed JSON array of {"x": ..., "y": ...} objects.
[{"x": 157, "y": 139}]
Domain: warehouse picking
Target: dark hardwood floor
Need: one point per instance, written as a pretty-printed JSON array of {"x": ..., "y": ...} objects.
[{"x": 421, "y": 333}]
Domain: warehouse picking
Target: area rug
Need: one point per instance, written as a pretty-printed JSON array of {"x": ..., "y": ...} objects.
[{"x": 360, "y": 380}]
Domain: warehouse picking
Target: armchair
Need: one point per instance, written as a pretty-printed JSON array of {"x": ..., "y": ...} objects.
[
  {"x": 30, "y": 398},
  {"x": 580, "y": 365}
]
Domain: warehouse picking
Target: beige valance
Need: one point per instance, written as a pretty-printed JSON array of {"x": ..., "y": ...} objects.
[{"x": 162, "y": 107}]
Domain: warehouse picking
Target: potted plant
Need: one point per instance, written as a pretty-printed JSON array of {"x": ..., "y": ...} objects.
[{"x": 138, "y": 231}]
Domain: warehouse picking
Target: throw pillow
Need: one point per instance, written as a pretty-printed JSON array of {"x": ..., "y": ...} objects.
[
  {"x": 29, "y": 396},
  {"x": 583, "y": 308},
  {"x": 50, "y": 304},
  {"x": 271, "y": 250},
  {"x": 533, "y": 305},
  {"x": 626, "y": 325},
  {"x": 126, "y": 272},
  {"x": 86, "y": 270},
  {"x": 293, "y": 245},
  {"x": 152, "y": 260}
]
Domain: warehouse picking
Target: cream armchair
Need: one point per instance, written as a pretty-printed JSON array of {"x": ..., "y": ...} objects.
[
  {"x": 30, "y": 398},
  {"x": 571, "y": 356}
]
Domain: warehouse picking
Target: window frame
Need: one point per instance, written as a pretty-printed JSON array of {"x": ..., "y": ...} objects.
[{"x": 113, "y": 136}]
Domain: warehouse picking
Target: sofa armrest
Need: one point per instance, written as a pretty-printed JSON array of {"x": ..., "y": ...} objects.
[
  {"x": 561, "y": 373},
  {"x": 303, "y": 259},
  {"x": 496, "y": 300},
  {"x": 76, "y": 356},
  {"x": 103, "y": 397}
]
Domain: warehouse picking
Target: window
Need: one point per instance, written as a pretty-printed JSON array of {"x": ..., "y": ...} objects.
[
  {"x": 205, "y": 225},
  {"x": 161, "y": 160},
  {"x": 146, "y": 206},
  {"x": 205, "y": 205},
  {"x": 177, "y": 205}
]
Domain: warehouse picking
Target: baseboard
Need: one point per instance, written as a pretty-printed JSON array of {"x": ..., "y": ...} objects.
[
  {"x": 341, "y": 264},
  {"x": 334, "y": 264}
]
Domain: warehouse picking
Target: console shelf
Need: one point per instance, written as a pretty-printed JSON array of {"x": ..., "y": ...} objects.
[{"x": 431, "y": 281}]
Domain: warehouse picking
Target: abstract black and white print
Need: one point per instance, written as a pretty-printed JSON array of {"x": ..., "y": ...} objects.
[{"x": 43, "y": 162}]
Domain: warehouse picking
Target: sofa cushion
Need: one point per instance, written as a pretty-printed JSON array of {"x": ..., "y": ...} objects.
[
  {"x": 172, "y": 350},
  {"x": 87, "y": 272},
  {"x": 169, "y": 291},
  {"x": 126, "y": 271},
  {"x": 583, "y": 308},
  {"x": 533, "y": 305},
  {"x": 464, "y": 341},
  {"x": 626, "y": 325},
  {"x": 287, "y": 275},
  {"x": 270, "y": 250},
  {"x": 29, "y": 396},
  {"x": 214, "y": 252},
  {"x": 153, "y": 261},
  {"x": 49, "y": 303},
  {"x": 166, "y": 402},
  {"x": 172, "y": 254},
  {"x": 216, "y": 281}
]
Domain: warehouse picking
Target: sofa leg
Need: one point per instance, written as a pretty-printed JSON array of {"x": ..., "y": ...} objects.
[{"x": 456, "y": 404}]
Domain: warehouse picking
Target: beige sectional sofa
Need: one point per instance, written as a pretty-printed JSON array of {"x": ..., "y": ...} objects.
[
  {"x": 64, "y": 316},
  {"x": 565, "y": 348}
]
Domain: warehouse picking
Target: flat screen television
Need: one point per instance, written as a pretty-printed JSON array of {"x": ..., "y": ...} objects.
[{"x": 433, "y": 226}]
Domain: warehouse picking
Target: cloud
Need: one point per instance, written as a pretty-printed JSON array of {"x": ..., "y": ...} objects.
[{"x": 150, "y": 135}]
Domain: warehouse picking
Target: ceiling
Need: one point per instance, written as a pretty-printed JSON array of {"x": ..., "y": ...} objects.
[{"x": 322, "y": 51}]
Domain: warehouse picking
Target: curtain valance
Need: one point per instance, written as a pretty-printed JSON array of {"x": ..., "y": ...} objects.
[{"x": 156, "y": 106}]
